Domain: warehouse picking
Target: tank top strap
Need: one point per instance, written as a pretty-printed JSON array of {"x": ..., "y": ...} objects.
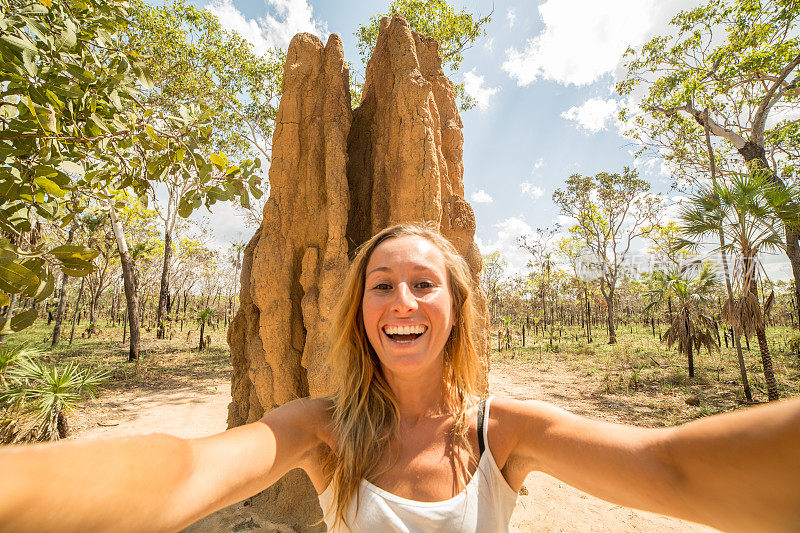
[{"x": 481, "y": 424}]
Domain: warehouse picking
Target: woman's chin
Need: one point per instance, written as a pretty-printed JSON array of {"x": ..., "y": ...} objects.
[{"x": 410, "y": 363}]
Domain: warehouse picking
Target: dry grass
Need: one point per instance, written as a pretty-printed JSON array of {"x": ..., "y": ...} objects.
[
  {"x": 162, "y": 363},
  {"x": 644, "y": 370}
]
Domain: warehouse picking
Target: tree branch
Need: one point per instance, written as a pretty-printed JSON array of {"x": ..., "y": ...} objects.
[{"x": 757, "y": 129}]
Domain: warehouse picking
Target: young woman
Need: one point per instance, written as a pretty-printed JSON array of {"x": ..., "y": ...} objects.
[{"x": 405, "y": 444}]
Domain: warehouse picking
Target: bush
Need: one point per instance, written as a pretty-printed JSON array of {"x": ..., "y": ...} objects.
[{"x": 36, "y": 396}]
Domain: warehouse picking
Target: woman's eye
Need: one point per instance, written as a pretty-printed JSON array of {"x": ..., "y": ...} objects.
[
  {"x": 425, "y": 285},
  {"x": 382, "y": 286}
]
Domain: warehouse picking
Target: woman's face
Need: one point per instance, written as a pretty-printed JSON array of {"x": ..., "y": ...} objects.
[{"x": 407, "y": 307}]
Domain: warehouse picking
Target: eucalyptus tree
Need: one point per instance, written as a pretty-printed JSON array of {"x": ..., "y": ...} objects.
[
  {"x": 493, "y": 274},
  {"x": 193, "y": 60},
  {"x": 541, "y": 261},
  {"x": 691, "y": 324},
  {"x": 730, "y": 66},
  {"x": 72, "y": 127},
  {"x": 455, "y": 31},
  {"x": 751, "y": 212},
  {"x": 571, "y": 249},
  {"x": 610, "y": 210}
]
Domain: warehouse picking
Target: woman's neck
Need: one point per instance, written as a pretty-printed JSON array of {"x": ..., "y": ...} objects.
[{"x": 419, "y": 396}]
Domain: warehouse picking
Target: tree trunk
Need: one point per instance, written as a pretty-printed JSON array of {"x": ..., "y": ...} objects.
[
  {"x": 766, "y": 361},
  {"x": 62, "y": 296},
  {"x": 588, "y": 316},
  {"x": 62, "y": 304},
  {"x": 689, "y": 355},
  {"x": 77, "y": 310},
  {"x": 131, "y": 289},
  {"x": 612, "y": 335},
  {"x": 163, "y": 294},
  {"x": 202, "y": 338}
]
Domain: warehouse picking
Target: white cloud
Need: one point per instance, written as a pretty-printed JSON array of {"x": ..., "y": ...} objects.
[
  {"x": 489, "y": 44},
  {"x": 473, "y": 85},
  {"x": 531, "y": 190},
  {"x": 565, "y": 221},
  {"x": 672, "y": 208},
  {"x": 481, "y": 197},
  {"x": 593, "y": 115},
  {"x": 511, "y": 16},
  {"x": 583, "y": 40},
  {"x": 284, "y": 19},
  {"x": 506, "y": 243},
  {"x": 539, "y": 164}
]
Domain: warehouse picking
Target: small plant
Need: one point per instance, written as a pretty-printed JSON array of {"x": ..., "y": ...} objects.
[
  {"x": 203, "y": 317},
  {"x": 36, "y": 396},
  {"x": 794, "y": 344}
]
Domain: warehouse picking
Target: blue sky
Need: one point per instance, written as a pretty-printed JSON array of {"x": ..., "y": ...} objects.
[{"x": 543, "y": 75}]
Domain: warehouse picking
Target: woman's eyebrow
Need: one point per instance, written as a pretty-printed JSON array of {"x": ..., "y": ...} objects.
[{"x": 387, "y": 269}]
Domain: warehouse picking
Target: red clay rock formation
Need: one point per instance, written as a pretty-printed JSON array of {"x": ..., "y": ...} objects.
[{"x": 337, "y": 177}]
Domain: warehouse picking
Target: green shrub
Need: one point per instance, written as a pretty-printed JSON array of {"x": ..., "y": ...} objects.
[{"x": 36, "y": 396}]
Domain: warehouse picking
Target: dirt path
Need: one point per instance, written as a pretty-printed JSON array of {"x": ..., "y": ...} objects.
[{"x": 550, "y": 506}]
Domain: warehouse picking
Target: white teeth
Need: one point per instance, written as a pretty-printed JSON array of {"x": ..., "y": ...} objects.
[{"x": 404, "y": 330}]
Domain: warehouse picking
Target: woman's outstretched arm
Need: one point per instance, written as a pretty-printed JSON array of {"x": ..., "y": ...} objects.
[
  {"x": 736, "y": 471},
  {"x": 149, "y": 482}
]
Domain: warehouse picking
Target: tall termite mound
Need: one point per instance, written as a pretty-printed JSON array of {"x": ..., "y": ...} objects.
[{"x": 337, "y": 177}]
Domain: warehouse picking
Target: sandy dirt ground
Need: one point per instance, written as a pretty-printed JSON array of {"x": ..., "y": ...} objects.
[{"x": 200, "y": 409}]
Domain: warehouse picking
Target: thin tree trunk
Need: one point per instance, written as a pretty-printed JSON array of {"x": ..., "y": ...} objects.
[
  {"x": 62, "y": 296},
  {"x": 690, "y": 355},
  {"x": 163, "y": 293},
  {"x": 202, "y": 339},
  {"x": 612, "y": 335},
  {"x": 766, "y": 361},
  {"x": 588, "y": 316},
  {"x": 737, "y": 339},
  {"x": 131, "y": 288},
  {"x": 77, "y": 310}
]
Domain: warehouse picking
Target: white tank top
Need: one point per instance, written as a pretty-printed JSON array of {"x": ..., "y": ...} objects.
[{"x": 485, "y": 504}]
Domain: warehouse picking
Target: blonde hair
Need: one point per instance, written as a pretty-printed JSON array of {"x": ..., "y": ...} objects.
[{"x": 365, "y": 413}]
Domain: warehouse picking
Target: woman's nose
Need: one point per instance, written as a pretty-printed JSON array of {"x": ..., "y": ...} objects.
[{"x": 404, "y": 300}]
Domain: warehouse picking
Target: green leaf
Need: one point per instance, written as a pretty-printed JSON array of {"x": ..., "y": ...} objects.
[
  {"x": 143, "y": 75},
  {"x": 50, "y": 186},
  {"x": 19, "y": 43},
  {"x": 45, "y": 287},
  {"x": 76, "y": 272},
  {"x": 67, "y": 252},
  {"x": 184, "y": 208},
  {"x": 4, "y": 299},
  {"x": 16, "y": 277},
  {"x": 23, "y": 320},
  {"x": 220, "y": 160}
]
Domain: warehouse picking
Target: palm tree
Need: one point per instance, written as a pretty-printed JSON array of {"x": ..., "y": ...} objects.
[
  {"x": 36, "y": 396},
  {"x": 750, "y": 212},
  {"x": 690, "y": 326},
  {"x": 203, "y": 317}
]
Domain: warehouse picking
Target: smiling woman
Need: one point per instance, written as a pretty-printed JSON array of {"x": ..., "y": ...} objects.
[{"x": 405, "y": 443}]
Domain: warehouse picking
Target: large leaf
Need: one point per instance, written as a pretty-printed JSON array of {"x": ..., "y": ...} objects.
[
  {"x": 50, "y": 186},
  {"x": 66, "y": 252},
  {"x": 16, "y": 277},
  {"x": 45, "y": 287},
  {"x": 24, "y": 319}
]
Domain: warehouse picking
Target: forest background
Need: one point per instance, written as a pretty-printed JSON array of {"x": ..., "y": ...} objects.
[{"x": 123, "y": 122}]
